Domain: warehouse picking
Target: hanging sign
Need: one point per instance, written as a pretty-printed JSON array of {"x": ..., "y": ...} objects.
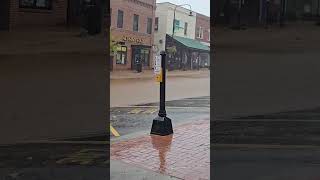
[{"x": 158, "y": 69}]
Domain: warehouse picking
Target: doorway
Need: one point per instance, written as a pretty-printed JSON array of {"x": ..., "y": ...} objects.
[
  {"x": 142, "y": 54},
  {"x": 4, "y": 14}
]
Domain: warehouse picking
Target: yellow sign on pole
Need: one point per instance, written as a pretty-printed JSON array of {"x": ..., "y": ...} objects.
[
  {"x": 159, "y": 77},
  {"x": 158, "y": 69}
]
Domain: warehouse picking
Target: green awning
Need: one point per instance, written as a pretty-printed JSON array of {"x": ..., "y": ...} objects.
[{"x": 191, "y": 43}]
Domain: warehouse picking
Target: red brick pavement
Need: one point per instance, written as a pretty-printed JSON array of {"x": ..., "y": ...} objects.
[{"x": 185, "y": 154}]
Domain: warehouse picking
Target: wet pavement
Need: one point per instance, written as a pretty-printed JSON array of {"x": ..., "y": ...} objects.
[
  {"x": 183, "y": 155},
  {"x": 265, "y": 163},
  {"x": 54, "y": 161},
  {"x": 137, "y": 118},
  {"x": 266, "y": 100}
]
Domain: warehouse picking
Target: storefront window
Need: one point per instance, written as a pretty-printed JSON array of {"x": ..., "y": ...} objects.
[
  {"x": 36, "y": 4},
  {"x": 121, "y": 56}
]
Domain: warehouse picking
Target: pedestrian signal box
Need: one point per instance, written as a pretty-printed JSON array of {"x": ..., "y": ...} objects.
[{"x": 158, "y": 69}]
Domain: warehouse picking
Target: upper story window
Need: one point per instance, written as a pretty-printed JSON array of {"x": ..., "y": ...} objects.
[
  {"x": 156, "y": 24},
  {"x": 176, "y": 23},
  {"x": 199, "y": 32},
  {"x": 135, "y": 22},
  {"x": 120, "y": 19},
  {"x": 185, "y": 28},
  {"x": 36, "y": 4},
  {"x": 149, "y": 26},
  {"x": 208, "y": 34}
]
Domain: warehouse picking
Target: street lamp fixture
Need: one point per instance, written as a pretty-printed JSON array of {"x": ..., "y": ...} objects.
[{"x": 174, "y": 15}]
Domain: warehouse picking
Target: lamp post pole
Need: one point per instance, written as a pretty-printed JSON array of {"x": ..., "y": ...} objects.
[{"x": 174, "y": 15}]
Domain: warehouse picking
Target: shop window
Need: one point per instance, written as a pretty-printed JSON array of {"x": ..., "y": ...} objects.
[
  {"x": 36, "y": 4},
  {"x": 149, "y": 26},
  {"x": 120, "y": 19},
  {"x": 135, "y": 22},
  {"x": 121, "y": 57},
  {"x": 156, "y": 22}
]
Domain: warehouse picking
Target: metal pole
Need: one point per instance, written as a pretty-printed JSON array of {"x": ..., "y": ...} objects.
[
  {"x": 162, "y": 111},
  {"x": 174, "y": 20},
  {"x": 162, "y": 125}
]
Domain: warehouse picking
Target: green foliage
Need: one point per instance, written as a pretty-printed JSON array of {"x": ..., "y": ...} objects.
[{"x": 113, "y": 45}]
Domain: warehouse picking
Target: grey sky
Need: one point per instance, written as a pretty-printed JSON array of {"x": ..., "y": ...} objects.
[{"x": 200, "y": 6}]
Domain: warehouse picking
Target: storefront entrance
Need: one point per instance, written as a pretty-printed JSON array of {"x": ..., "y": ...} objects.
[
  {"x": 4, "y": 15},
  {"x": 140, "y": 56}
]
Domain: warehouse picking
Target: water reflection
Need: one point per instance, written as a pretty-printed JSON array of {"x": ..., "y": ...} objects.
[{"x": 163, "y": 145}]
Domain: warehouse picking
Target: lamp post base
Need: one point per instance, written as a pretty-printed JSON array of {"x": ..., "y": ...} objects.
[{"x": 161, "y": 126}]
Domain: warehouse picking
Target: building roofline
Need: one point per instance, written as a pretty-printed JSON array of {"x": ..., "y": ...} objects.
[{"x": 183, "y": 8}]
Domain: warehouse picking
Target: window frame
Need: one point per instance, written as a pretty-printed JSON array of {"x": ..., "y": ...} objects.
[
  {"x": 149, "y": 25},
  {"x": 34, "y": 6},
  {"x": 156, "y": 23},
  {"x": 122, "y": 53},
  {"x": 135, "y": 17},
  {"x": 118, "y": 19},
  {"x": 185, "y": 28}
]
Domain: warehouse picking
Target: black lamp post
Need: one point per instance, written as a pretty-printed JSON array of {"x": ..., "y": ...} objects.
[{"x": 162, "y": 125}]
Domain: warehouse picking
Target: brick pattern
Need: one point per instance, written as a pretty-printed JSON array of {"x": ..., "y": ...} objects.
[
  {"x": 25, "y": 17},
  {"x": 145, "y": 9},
  {"x": 204, "y": 22},
  {"x": 185, "y": 154}
]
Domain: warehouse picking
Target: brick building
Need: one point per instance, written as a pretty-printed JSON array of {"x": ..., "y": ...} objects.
[
  {"x": 203, "y": 35},
  {"x": 132, "y": 27},
  {"x": 15, "y": 14},
  {"x": 32, "y": 13},
  {"x": 203, "y": 29}
]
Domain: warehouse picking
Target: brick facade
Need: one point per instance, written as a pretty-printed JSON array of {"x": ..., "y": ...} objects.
[
  {"x": 203, "y": 22},
  {"x": 145, "y": 9},
  {"x": 27, "y": 17}
]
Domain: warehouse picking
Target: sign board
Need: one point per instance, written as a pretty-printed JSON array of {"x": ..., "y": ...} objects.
[{"x": 158, "y": 69}]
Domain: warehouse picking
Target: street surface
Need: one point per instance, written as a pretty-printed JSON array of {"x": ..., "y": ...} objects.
[
  {"x": 266, "y": 104},
  {"x": 126, "y": 92}
]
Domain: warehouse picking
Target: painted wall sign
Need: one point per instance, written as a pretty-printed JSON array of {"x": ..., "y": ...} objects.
[{"x": 132, "y": 39}]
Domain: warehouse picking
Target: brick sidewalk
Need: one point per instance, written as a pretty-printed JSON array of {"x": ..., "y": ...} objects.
[{"x": 184, "y": 155}]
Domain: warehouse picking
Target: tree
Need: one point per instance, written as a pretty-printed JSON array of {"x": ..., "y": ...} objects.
[{"x": 113, "y": 45}]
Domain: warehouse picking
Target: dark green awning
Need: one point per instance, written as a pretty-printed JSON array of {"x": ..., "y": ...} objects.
[{"x": 191, "y": 43}]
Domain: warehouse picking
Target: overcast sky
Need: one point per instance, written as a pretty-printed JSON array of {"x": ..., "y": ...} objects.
[{"x": 200, "y": 6}]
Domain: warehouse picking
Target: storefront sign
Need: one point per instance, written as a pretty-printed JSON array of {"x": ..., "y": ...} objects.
[
  {"x": 132, "y": 39},
  {"x": 158, "y": 69}
]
